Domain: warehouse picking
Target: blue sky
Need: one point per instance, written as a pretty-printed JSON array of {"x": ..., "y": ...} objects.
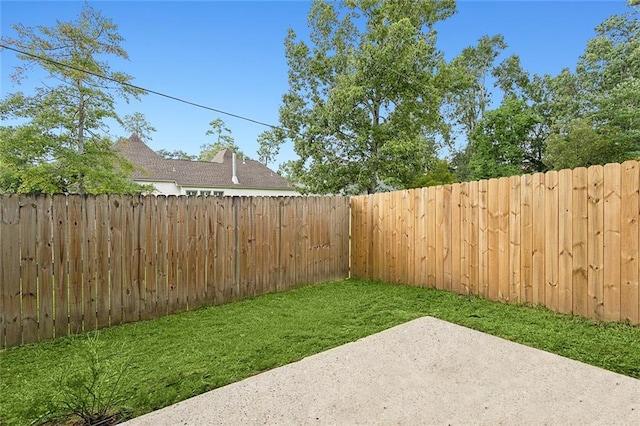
[{"x": 230, "y": 55}]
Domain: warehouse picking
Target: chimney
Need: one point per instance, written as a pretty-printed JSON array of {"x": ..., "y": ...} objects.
[{"x": 234, "y": 177}]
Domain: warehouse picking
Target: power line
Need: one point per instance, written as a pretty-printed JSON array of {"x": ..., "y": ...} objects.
[{"x": 133, "y": 86}]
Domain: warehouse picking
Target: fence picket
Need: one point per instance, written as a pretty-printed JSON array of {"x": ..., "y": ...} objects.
[
  {"x": 10, "y": 270},
  {"x": 45, "y": 268},
  {"x": 514, "y": 211},
  {"x": 630, "y": 184},
  {"x": 493, "y": 239},
  {"x": 89, "y": 265},
  {"x": 102, "y": 267},
  {"x": 29, "y": 272},
  {"x": 474, "y": 248},
  {"x": 580, "y": 223},
  {"x": 526, "y": 238},
  {"x": 595, "y": 242},
  {"x": 76, "y": 259},
  {"x": 565, "y": 241},
  {"x": 611, "y": 275},
  {"x": 148, "y": 241},
  {"x": 116, "y": 259},
  {"x": 456, "y": 241},
  {"x": 60, "y": 266},
  {"x": 504, "y": 258}
]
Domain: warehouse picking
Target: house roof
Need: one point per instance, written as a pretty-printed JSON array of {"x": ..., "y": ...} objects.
[{"x": 216, "y": 173}]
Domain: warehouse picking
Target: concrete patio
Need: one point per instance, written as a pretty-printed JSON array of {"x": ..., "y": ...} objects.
[{"x": 426, "y": 371}]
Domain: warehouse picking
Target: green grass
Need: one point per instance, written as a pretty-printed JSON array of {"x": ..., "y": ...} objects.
[{"x": 183, "y": 355}]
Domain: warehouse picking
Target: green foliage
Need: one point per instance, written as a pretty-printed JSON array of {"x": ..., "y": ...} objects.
[
  {"x": 177, "y": 357},
  {"x": 596, "y": 111},
  {"x": 269, "y": 142},
  {"x": 93, "y": 390},
  {"x": 32, "y": 161},
  {"x": 223, "y": 139},
  {"x": 357, "y": 110},
  {"x": 576, "y": 119},
  {"x": 59, "y": 148},
  {"x": 470, "y": 98},
  {"x": 176, "y": 155},
  {"x": 583, "y": 145},
  {"x": 89, "y": 389},
  {"x": 525, "y": 96},
  {"x": 137, "y": 124},
  {"x": 500, "y": 140},
  {"x": 438, "y": 173}
]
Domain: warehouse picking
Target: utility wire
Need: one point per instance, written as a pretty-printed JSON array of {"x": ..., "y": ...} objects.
[{"x": 133, "y": 86}]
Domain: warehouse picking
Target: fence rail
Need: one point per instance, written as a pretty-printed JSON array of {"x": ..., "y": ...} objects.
[
  {"x": 72, "y": 263},
  {"x": 566, "y": 239}
]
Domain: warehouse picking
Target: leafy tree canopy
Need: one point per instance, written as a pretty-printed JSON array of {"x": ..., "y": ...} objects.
[
  {"x": 499, "y": 142},
  {"x": 364, "y": 99},
  {"x": 269, "y": 145},
  {"x": 60, "y": 148},
  {"x": 438, "y": 173},
  {"x": 222, "y": 139},
  {"x": 597, "y": 109},
  {"x": 176, "y": 155},
  {"x": 137, "y": 124}
]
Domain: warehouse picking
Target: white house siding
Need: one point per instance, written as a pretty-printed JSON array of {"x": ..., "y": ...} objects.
[
  {"x": 164, "y": 188},
  {"x": 170, "y": 188},
  {"x": 257, "y": 192}
]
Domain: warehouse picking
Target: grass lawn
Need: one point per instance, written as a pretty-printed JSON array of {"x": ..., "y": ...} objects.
[{"x": 176, "y": 357}]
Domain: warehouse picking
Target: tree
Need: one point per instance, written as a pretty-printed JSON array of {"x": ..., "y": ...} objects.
[
  {"x": 469, "y": 99},
  {"x": 60, "y": 147},
  {"x": 438, "y": 173},
  {"x": 364, "y": 99},
  {"x": 223, "y": 140},
  {"x": 609, "y": 74},
  {"x": 583, "y": 146},
  {"x": 596, "y": 111},
  {"x": 269, "y": 142},
  {"x": 511, "y": 139},
  {"x": 500, "y": 141},
  {"x": 137, "y": 124},
  {"x": 34, "y": 162},
  {"x": 176, "y": 155}
]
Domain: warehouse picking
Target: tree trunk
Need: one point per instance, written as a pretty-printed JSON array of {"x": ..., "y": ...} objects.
[{"x": 80, "y": 137}]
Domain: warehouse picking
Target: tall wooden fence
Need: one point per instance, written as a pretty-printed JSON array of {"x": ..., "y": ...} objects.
[
  {"x": 567, "y": 239},
  {"x": 71, "y": 263}
]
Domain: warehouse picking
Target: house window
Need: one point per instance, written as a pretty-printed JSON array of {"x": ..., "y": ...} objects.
[
  {"x": 218, "y": 193},
  {"x": 205, "y": 193},
  {"x": 192, "y": 193}
]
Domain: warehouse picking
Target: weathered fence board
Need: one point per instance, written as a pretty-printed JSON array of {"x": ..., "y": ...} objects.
[
  {"x": 10, "y": 270},
  {"x": 29, "y": 272},
  {"x": 45, "y": 267},
  {"x": 77, "y": 263}
]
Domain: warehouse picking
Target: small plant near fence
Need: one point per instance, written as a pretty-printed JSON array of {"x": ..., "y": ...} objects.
[{"x": 90, "y": 391}]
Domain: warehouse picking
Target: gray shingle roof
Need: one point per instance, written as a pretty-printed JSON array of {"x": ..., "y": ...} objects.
[{"x": 217, "y": 173}]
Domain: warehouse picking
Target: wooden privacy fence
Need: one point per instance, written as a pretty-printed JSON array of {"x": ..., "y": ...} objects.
[
  {"x": 73, "y": 263},
  {"x": 567, "y": 239}
]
